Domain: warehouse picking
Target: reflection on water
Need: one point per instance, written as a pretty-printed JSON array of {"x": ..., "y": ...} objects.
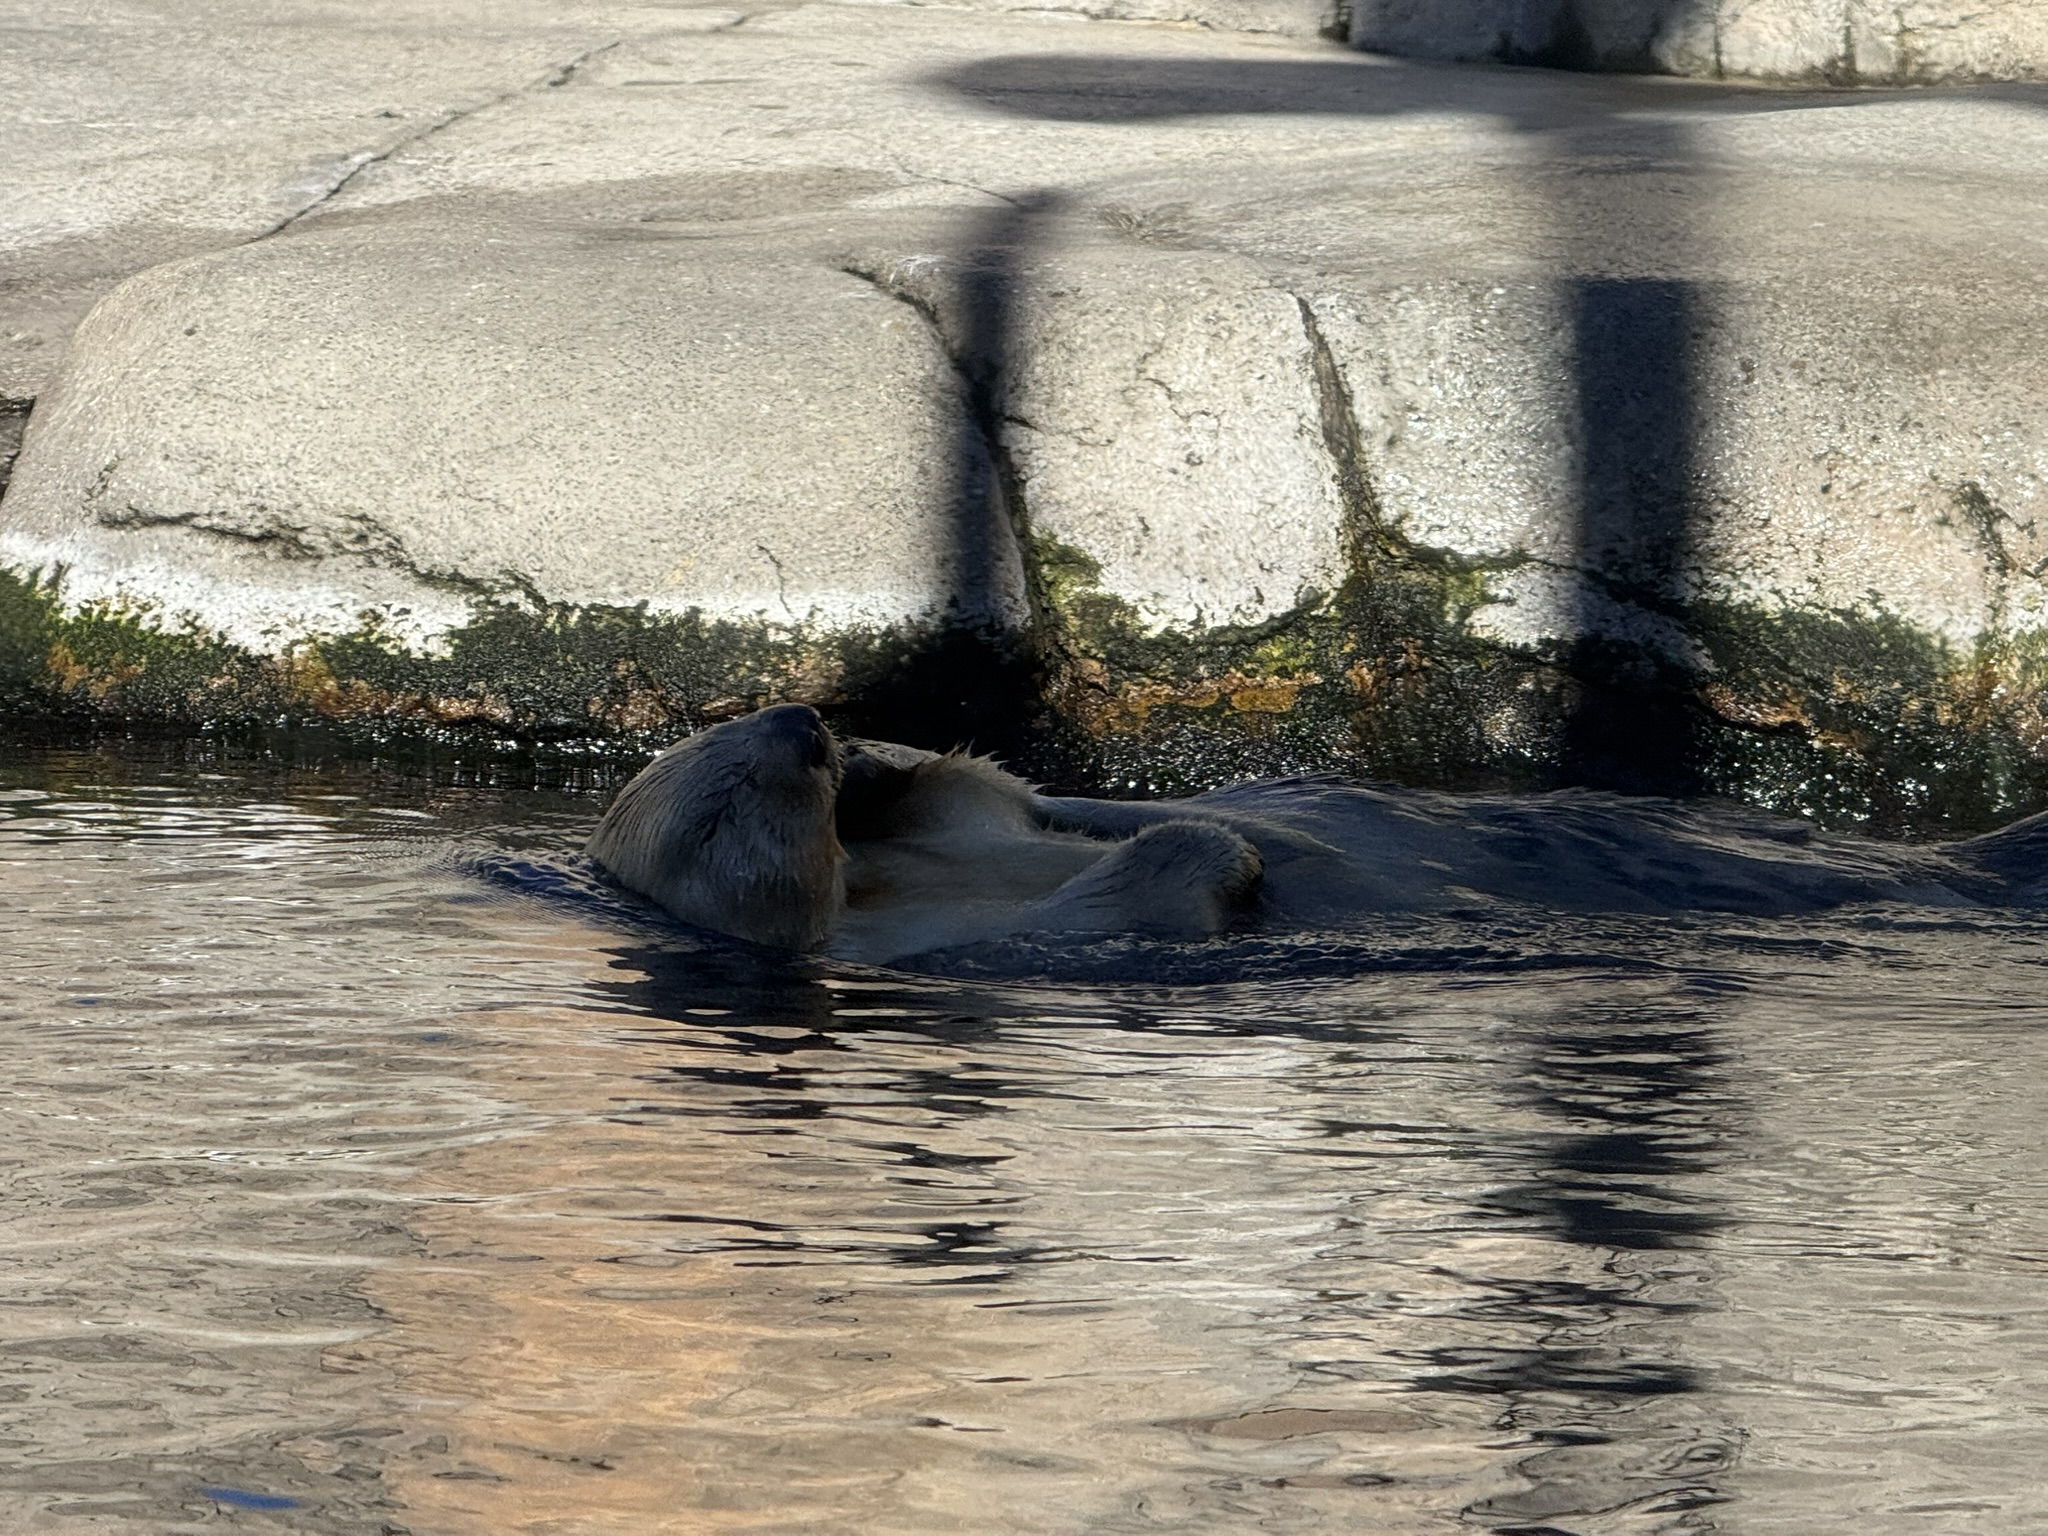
[{"x": 351, "y": 1193}]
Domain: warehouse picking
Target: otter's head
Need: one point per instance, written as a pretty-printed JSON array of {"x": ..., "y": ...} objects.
[{"x": 732, "y": 829}]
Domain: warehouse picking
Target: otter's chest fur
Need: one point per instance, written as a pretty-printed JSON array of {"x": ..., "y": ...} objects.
[{"x": 950, "y": 862}]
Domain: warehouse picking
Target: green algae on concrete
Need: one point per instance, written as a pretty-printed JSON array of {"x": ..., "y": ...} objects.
[
  {"x": 1842, "y": 717},
  {"x": 1845, "y": 718},
  {"x": 1383, "y": 678},
  {"x": 1857, "y": 719},
  {"x": 526, "y": 671}
]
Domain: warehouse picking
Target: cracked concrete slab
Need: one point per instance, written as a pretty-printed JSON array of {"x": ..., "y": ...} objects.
[
  {"x": 1823, "y": 460},
  {"x": 141, "y": 133},
  {"x": 567, "y": 407},
  {"x": 1567, "y": 315},
  {"x": 1157, "y": 409},
  {"x": 1163, "y": 417}
]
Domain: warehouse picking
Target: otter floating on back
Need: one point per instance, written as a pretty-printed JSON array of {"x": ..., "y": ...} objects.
[{"x": 770, "y": 829}]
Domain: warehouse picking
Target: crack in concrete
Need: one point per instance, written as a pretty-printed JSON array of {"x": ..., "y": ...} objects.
[
  {"x": 557, "y": 76},
  {"x": 984, "y": 419},
  {"x": 1369, "y": 534},
  {"x": 781, "y": 582},
  {"x": 14, "y": 414},
  {"x": 926, "y": 178},
  {"x": 354, "y": 536},
  {"x": 948, "y": 181},
  {"x": 377, "y": 547},
  {"x": 1344, "y": 442},
  {"x": 983, "y": 415},
  {"x": 358, "y": 537}
]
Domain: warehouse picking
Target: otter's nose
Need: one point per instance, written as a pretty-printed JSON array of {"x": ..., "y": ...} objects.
[{"x": 798, "y": 726}]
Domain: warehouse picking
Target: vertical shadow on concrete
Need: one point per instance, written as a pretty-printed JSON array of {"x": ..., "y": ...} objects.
[
  {"x": 1633, "y": 538},
  {"x": 973, "y": 684},
  {"x": 987, "y": 496},
  {"x": 1630, "y": 725}
]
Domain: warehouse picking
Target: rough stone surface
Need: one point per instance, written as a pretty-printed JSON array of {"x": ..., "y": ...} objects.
[
  {"x": 601, "y": 335},
  {"x": 1159, "y": 412},
  {"x": 135, "y": 134},
  {"x": 1287, "y": 18},
  {"x": 1820, "y": 463},
  {"x": 1231, "y": 324},
  {"x": 438, "y": 407},
  {"x": 1845, "y": 42}
]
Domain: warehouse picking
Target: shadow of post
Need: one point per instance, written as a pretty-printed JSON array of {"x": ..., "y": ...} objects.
[
  {"x": 1633, "y": 533},
  {"x": 1630, "y": 723},
  {"x": 973, "y": 685}
]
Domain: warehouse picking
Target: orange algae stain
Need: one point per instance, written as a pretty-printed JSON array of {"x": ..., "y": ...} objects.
[
  {"x": 1101, "y": 708},
  {"x": 71, "y": 676},
  {"x": 1759, "y": 713}
]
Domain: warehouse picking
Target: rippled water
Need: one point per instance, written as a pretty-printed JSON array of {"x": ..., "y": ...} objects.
[{"x": 351, "y": 1191}]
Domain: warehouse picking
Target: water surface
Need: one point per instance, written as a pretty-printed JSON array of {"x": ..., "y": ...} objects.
[{"x": 350, "y": 1190}]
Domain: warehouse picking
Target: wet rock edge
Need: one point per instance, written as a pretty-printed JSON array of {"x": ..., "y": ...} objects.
[{"x": 1851, "y": 719}]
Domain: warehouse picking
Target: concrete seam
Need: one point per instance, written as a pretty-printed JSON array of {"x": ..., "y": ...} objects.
[
  {"x": 1342, "y": 440},
  {"x": 557, "y": 75}
]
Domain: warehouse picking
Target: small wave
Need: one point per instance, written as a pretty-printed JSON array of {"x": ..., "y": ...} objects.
[{"x": 565, "y": 882}]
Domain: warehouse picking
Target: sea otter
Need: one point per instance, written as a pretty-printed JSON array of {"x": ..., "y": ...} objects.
[{"x": 770, "y": 829}]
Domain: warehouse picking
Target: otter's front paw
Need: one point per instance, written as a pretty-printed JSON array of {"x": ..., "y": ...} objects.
[{"x": 1178, "y": 880}]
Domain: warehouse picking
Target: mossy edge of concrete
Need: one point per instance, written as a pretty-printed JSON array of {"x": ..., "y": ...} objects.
[
  {"x": 522, "y": 671},
  {"x": 1850, "y": 718},
  {"x": 1847, "y": 718}
]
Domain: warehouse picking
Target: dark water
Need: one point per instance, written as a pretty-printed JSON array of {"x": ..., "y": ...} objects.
[{"x": 351, "y": 1191}]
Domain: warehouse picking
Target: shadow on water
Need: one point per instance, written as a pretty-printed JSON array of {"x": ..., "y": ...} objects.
[
  {"x": 761, "y": 1040},
  {"x": 1586, "y": 1135},
  {"x": 1628, "y": 183},
  {"x": 1617, "y": 1418},
  {"x": 1641, "y": 1100}
]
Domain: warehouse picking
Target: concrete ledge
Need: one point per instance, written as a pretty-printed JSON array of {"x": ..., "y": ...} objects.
[
  {"x": 1836, "y": 42},
  {"x": 1168, "y": 403}
]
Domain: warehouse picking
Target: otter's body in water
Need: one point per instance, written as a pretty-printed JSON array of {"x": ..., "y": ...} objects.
[{"x": 770, "y": 829}]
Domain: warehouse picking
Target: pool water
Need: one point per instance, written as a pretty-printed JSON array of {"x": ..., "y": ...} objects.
[{"x": 355, "y": 1187}]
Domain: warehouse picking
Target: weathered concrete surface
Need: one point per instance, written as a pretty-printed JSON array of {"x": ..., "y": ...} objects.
[
  {"x": 139, "y": 133},
  {"x": 626, "y": 295},
  {"x": 1158, "y": 410},
  {"x": 1841, "y": 42},
  {"x": 1287, "y": 18},
  {"x": 1297, "y": 370},
  {"x": 446, "y": 405},
  {"x": 1807, "y": 452}
]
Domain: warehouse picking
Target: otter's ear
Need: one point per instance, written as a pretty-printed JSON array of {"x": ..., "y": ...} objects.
[{"x": 873, "y": 775}]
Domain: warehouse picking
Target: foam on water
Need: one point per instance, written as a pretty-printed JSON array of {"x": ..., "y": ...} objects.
[{"x": 368, "y": 1153}]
